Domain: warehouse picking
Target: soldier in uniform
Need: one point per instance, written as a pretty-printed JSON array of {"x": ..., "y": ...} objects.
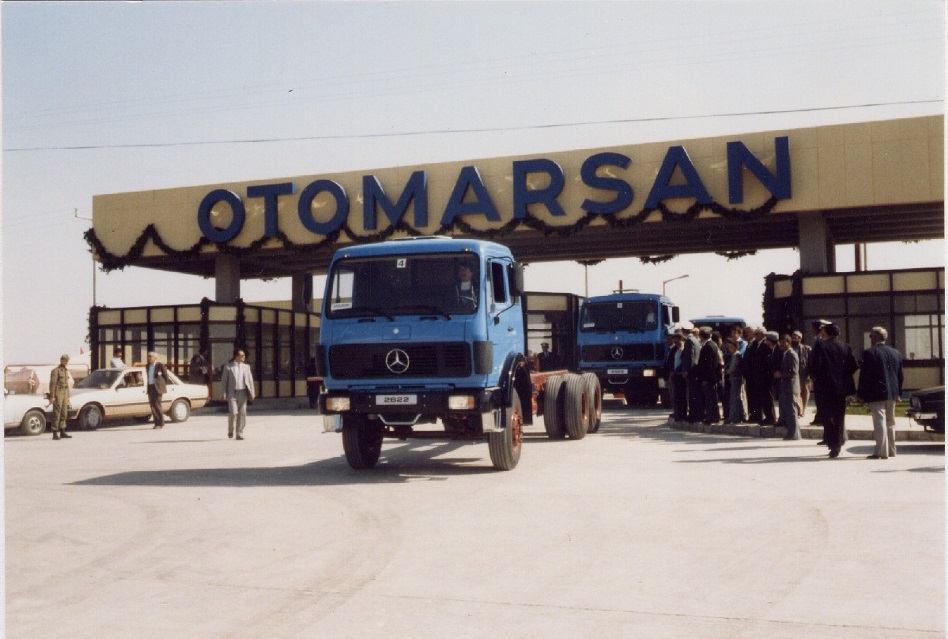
[{"x": 59, "y": 398}]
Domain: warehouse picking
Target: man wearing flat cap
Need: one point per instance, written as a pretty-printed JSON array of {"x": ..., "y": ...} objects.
[{"x": 832, "y": 366}]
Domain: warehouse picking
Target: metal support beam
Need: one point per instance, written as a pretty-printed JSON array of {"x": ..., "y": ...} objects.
[
  {"x": 303, "y": 292},
  {"x": 226, "y": 279}
]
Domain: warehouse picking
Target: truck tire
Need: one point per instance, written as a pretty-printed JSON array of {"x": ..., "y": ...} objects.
[
  {"x": 505, "y": 445},
  {"x": 576, "y": 407},
  {"x": 553, "y": 396},
  {"x": 594, "y": 398},
  {"x": 361, "y": 441}
]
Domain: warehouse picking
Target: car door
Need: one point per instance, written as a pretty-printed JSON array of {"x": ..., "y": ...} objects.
[{"x": 131, "y": 398}]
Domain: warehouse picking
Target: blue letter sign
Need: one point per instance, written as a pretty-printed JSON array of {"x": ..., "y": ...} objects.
[
  {"x": 305, "y": 206},
  {"x": 778, "y": 183},
  {"x": 624, "y": 192},
  {"x": 522, "y": 196},
  {"x": 210, "y": 231},
  {"x": 270, "y": 193},
  {"x": 693, "y": 187},
  {"x": 417, "y": 189},
  {"x": 469, "y": 178}
]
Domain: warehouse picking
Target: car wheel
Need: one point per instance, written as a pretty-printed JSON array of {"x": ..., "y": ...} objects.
[
  {"x": 34, "y": 422},
  {"x": 90, "y": 417},
  {"x": 180, "y": 410}
]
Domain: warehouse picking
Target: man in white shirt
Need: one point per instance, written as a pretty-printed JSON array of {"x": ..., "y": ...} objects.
[{"x": 237, "y": 390}]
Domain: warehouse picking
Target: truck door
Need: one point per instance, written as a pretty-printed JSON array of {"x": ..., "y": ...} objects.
[{"x": 504, "y": 322}]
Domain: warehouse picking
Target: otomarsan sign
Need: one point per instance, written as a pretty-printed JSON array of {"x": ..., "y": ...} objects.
[{"x": 677, "y": 177}]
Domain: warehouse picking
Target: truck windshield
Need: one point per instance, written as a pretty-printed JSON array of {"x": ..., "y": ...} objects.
[
  {"x": 390, "y": 285},
  {"x": 636, "y": 316}
]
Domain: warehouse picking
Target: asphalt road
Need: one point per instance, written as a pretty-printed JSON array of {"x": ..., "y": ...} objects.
[{"x": 637, "y": 531}]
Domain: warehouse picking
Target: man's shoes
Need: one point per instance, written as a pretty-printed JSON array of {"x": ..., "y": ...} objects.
[
  {"x": 157, "y": 426},
  {"x": 834, "y": 453},
  {"x": 822, "y": 442},
  {"x": 240, "y": 438},
  {"x": 230, "y": 434},
  {"x": 65, "y": 435},
  {"x": 874, "y": 457},
  {"x": 55, "y": 434}
]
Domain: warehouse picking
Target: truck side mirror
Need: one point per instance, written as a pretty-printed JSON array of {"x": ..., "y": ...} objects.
[
  {"x": 515, "y": 278},
  {"x": 675, "y": 315}
]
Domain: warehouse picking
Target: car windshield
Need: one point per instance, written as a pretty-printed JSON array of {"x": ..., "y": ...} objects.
[
  {"x": 383, "y": 287},
  {"x": 635, "y": 316},
  {"x": 99, "y": 379}
]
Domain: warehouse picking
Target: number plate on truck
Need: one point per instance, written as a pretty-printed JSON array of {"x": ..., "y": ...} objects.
[
  {"x": 617, "y": 371},
  {"x": 396, "y": 400}
]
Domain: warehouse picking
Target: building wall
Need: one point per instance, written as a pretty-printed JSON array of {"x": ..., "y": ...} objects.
[{"x": 910, "y": 304}]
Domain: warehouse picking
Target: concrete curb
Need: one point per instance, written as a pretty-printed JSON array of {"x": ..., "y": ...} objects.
[{"x": 857, "y": 431}]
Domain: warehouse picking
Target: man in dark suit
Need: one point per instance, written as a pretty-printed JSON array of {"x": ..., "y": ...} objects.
[
  {"x": 764, "y": 377},
  {"x": 689, "y": 359},
  {"x": 880, "y": 385},
  {"x": 832, "y": 367},
  {"x": 158, "y": 381},
  {"x": 708, "y": 372},
  {"x": 749, "y": 370}
]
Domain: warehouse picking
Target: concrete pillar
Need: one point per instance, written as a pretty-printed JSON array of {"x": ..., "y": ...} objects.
[
  {"x": 303, "y": 292},
  {"x": 226, "y": 279},
  {"x": 817, "y": 250}
]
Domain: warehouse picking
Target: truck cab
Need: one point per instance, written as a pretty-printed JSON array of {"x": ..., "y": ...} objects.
[
  {"x": 622, "y": 340},
  {"x": 423, "y": 329}
]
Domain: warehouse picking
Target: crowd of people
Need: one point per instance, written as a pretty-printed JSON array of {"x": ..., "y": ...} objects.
[{"x": 758, "y": 376}]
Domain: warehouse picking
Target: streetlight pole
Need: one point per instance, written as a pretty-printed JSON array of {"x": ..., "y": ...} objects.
[
  {"x": 80, "y": 217},
  {"x": 680, "y": 277}
]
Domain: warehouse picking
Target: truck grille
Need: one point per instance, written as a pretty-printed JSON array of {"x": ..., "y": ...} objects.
[
  {"x": 361, "y": 361},
  {"x": 630, "y": 353}
]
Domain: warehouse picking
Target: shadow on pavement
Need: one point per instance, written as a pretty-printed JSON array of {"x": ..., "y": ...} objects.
[{"x": 404, "y": 462}]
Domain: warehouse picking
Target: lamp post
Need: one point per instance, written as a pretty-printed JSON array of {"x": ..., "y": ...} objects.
[
  {"x": 89, "y": 219},
  {"x": 680, "y": 277}
]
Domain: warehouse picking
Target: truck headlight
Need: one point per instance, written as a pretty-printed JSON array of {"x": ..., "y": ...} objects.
[
  {"x": 338, "y": 404},
  {"x": 460, "y": 402},
  {"x": 648, "y": 372}
]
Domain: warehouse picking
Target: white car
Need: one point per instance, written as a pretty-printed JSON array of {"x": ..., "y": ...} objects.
[
  {"x": 115, "y": 393},
  {"x": 26, "y": 412}
]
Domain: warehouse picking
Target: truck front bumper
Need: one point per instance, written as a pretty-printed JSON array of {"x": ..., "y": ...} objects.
[{"x": 406, "y": 406}]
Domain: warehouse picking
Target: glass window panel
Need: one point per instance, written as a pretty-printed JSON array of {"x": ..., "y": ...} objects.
[
  {"x": 869, "y": 305},
  {"x": 822, "y": 307}
]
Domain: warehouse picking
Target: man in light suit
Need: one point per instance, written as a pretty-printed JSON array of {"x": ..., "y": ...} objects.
[
  {"x": 880, "y": 384},
  {"x": 237, "y": 390}
]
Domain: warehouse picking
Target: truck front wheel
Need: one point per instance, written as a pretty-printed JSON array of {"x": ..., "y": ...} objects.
[
  {"x": 505, "y": 446},
  {"x": 361, "y": 441}
]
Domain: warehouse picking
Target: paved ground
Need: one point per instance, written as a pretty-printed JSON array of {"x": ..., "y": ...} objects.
[{"x": 637, "y": 531}]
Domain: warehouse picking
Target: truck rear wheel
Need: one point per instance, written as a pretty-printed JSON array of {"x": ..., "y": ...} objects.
[
  {"x": 576, "y": 407},
  {"x": 553, "y": 408},
  {"x": 361, "y": 441},
  {"x": 505, "y": 446},
  {"x": 594, "y": 398}
]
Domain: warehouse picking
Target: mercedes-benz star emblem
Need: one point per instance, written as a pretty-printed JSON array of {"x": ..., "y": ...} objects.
[
  {"x": 616, "y": 352},
  {"x": 397, "y": 361}
]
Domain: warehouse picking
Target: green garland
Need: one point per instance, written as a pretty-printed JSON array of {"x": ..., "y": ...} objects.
[{"x": 110, "y": 261}]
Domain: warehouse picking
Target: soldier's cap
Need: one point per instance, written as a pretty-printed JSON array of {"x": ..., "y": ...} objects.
[
  {"x": 686, "y": 326},
  {"x": 797, "y": 333},
  {"x": 64, "y": 357}
]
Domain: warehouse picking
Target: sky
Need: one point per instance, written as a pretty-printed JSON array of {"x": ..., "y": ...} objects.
[{"x": 113, "y": 97}]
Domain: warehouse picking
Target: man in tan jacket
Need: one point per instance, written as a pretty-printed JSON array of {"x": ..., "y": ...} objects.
[{"x": 59, "y": 397}]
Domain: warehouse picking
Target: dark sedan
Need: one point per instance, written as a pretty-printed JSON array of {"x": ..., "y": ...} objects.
[{"x": 927, "y": 407}]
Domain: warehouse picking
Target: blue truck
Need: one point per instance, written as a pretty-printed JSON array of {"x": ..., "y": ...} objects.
[
  {"x": 426, "y": 338},
  {"x": 622, "y": 340}
]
